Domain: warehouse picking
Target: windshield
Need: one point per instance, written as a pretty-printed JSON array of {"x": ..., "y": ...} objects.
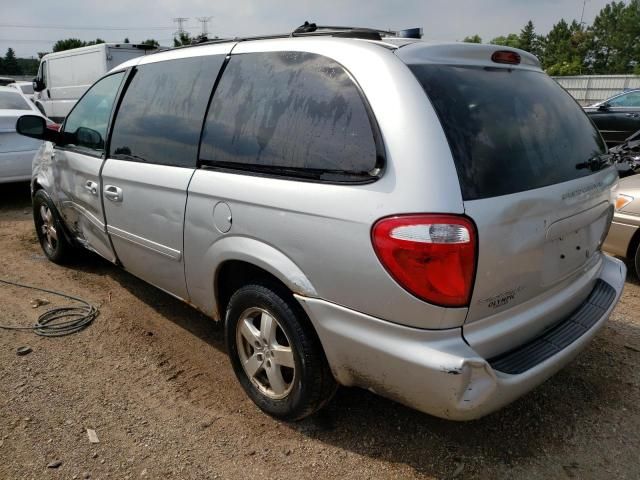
[
  {"x": 13, "y": 101},
  {"x": 509, "y": 130}
]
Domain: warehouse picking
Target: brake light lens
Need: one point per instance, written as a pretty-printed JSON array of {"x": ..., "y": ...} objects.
[
  {"x": 431, "y": 256},
  {"x": 506, "y": 56}
]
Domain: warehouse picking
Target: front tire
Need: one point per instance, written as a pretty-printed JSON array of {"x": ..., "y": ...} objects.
[
  {"x": 49, "y": 229},
  {"x": 275, "y": 353}
]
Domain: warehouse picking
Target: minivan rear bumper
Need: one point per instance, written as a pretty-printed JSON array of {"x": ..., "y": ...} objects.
[{"x": 435, "y": 371}]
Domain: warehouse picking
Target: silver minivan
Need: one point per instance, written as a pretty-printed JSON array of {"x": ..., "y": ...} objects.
[{"x": 421, "y": 220}]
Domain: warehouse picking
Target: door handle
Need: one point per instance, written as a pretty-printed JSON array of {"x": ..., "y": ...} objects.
[
  {"x": 92, "y": 187},
  {"x": 113, "y": 193}
]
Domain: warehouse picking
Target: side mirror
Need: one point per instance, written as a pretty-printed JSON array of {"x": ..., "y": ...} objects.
[
  {"x": 603, "y": 107},
  {"x": 35, "y": 127},
  {"x": 38, "y": 85},
  {"x": 88, "y": 137}
]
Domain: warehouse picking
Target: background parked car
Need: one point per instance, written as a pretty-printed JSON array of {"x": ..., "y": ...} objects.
[
  {"x": 25, "y": 87},
  {"x": 624, "y": 235},
  {"x": 6, "y": 81},
  {"x": 617, "y": 117},
  {"x": 16, "y": 151}
]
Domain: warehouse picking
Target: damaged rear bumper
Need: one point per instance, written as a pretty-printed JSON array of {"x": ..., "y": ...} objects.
[{"x": 435, "y": 371}]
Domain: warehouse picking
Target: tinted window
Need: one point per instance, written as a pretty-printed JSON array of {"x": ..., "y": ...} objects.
[
  {"x": 86, "y": 125},
  {"x": 509, "y": 130},
  {"x": 290, "y": 113},
  {"x": 631, "y": 99},
  {"x": 161, "y": 114},
  {"x": 13, "y": 101}
]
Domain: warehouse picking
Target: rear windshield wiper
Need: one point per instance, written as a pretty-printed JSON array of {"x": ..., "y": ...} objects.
[{"x": 595, "y": 163}]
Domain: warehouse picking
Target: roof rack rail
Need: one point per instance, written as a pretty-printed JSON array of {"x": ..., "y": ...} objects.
[
  {"x": 311, "y": 29},
  {"x": 308, "y": 28}
]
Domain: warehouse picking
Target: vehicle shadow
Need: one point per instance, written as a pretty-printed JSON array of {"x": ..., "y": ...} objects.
[
  {"x": 586, "y": 395},
  {"x": 15, "y": 196}
]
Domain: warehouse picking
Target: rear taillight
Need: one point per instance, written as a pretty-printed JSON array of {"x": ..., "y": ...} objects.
[{"x": 431, "y": 256}]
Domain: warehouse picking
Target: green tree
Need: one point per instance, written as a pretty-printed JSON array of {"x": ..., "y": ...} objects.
[
  {"x": 616, "y": 38},
  {"x": 151, "y": 42},
  {"x": 530, "y": 42},
  {"x": 126, "y": 40},
  {"x": 10, "y": 63},
  {"x": 512, "y": 40},
  {"x": 70, "y": 43},
  {"x": 527, "y": 39},
  {"x": 182, "y": 39},
  {"x": 67, "y": 44},
  {"x": 29, "y": 66},
  {"x": 473, "y": 39}
]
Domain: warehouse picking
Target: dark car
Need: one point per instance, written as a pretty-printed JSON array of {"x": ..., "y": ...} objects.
[{"x": 617, "y": 117}]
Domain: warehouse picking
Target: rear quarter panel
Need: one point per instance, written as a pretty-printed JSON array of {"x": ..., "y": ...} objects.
[{"x": 324, "y": 229}]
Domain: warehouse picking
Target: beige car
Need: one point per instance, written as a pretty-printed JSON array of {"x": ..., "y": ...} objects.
[{"x": 624, "y": 236}]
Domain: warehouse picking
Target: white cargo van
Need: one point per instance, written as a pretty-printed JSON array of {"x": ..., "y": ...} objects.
[{"x": 63, "y": 77}]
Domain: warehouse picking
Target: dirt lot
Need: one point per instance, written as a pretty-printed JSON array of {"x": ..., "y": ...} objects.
[{"x": 151, "y": 377}]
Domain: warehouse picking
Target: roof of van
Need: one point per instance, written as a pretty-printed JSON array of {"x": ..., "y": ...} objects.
[{"x": 408, "y": 50}]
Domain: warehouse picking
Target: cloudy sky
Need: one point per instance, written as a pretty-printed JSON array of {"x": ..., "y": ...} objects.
[{"x": 30, "y": 26}]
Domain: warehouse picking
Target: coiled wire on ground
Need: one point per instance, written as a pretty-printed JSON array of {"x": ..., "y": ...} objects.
[{"x": 57, "y": 321}]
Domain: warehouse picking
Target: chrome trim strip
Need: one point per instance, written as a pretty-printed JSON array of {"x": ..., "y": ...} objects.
[{"x": 168, "y": 252}]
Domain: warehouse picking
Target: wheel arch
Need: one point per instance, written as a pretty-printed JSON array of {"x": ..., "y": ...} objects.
[
  {"x": 633, "y": 247},
  {"x": 234, "y": 259}
]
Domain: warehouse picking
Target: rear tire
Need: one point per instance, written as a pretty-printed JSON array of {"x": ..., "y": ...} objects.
[
  {"x": 49, "y": 229},
  {"x": 275, "y": 353}
]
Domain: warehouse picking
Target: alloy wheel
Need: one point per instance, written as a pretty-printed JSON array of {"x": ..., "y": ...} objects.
[{"x": 265, "y": 353}]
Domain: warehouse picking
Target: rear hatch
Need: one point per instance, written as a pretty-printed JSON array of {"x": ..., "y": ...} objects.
[{"x": 535, "y": 179}]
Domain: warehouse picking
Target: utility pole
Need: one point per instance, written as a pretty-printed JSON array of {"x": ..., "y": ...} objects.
[
  {"x": 204, "y": 22},
  {"x": 584, "y": 3},
  {"x": 180, "y": 21}
]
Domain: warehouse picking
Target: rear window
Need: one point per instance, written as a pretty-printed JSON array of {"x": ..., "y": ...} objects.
[
  {"x": 13, "y": 101},
  {"x": 509, "y": 130}
]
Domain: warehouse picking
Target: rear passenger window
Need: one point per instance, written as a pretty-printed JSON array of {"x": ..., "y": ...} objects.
[
  {"x": 293, "y": 114},
  {"x": 161, "y": 114}
]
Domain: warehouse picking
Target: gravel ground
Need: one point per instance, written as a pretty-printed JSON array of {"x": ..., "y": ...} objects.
[{"x": 151, "y": 377}]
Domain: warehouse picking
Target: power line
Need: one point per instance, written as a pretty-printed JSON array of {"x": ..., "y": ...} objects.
[
  {"x": 82, "y": 27},
  {"x": 33, "y": 40}
]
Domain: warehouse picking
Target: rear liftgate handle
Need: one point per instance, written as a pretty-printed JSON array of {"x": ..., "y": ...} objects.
[{"x": 113, "y": 193}]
